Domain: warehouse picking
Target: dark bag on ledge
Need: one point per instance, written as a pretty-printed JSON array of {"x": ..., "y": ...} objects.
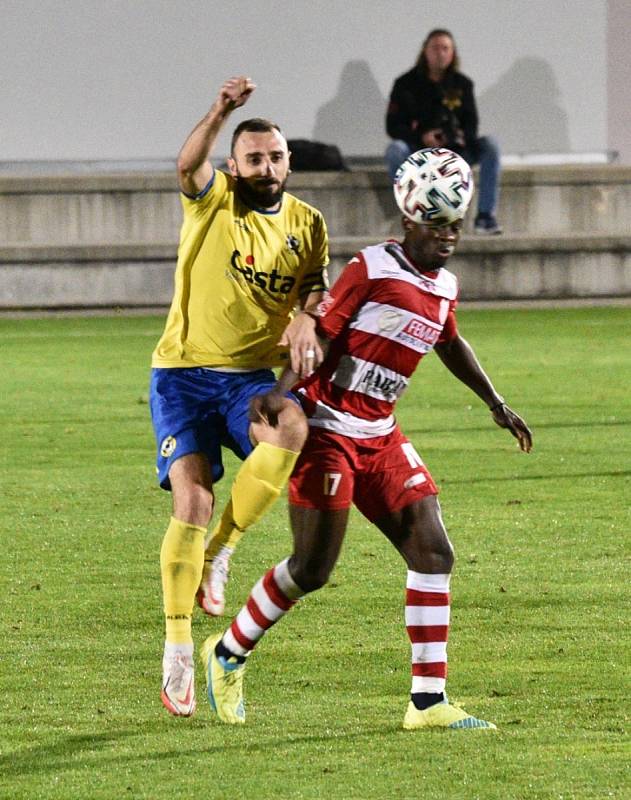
[{"x": 308, "y": 156}]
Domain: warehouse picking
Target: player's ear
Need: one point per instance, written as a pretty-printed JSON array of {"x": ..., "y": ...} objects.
[
  {"x": 232, "y": 166},
  {"x": 289, "y": 161},
  {"x": 407, "y": 223}
]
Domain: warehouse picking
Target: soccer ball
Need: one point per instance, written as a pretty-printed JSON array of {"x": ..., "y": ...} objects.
[{"x": 434, "y": 185}]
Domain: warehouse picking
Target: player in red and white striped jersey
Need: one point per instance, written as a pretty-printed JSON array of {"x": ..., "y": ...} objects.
[
  {"x": 393, "y": 304},
  {"x": 381, "y": 319}
]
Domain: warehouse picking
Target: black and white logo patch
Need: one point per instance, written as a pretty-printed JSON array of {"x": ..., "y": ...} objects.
[
  {"x": 293, "y": 244},
  {"x": 167, "y": 448}
]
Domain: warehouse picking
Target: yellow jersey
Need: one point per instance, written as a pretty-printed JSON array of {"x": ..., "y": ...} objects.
[{"x": 240, "y": 273}]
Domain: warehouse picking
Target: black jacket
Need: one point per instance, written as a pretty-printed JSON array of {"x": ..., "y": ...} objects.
[{"x": 418, "y": 105}]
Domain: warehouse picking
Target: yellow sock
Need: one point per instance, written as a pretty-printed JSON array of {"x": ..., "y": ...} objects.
[
  {"x": 181, "y": 564},
  {"x": 255, "y": 489}
]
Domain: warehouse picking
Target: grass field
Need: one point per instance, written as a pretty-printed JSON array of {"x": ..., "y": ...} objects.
[{"x": 539, "y": 638}]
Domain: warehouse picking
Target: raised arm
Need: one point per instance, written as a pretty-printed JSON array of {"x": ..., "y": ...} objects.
[
  {"x": 458, "y": 356},
  {"x": 193, "y": 167}
]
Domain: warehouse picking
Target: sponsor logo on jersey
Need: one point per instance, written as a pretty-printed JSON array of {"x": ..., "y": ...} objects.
[
  {"x": 414, "y": 480},
  {"x": 273, "y": 281},
  {"x": 369, "y": 378},
  {"x": 167, "y": 448},
  {"x": 419, "y": 331},
  {"x": 410, "y": 329},
  {"x": 378, "y": 382},
  {"x": 389, "y": 320}
]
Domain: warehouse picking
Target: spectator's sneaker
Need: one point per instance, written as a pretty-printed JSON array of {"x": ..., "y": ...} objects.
[
  {"x": 178, "y": 684},
  {"x": 224, "y": 681},
  {"x": 487, "y": 225},
  {"x": 442, "y": 715},
  {"x": 211, "y": 595}
]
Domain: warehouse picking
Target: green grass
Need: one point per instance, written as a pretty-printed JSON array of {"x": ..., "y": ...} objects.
[{"x": 539, "y": 642}]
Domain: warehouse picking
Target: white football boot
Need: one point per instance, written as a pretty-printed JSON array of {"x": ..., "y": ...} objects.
[
  {"x": 211, "y": 595},
  {"x": 178, "y": 680}
]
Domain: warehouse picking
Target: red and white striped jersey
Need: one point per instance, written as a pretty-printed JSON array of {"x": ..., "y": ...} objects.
[{"x": 382, "y": 316}]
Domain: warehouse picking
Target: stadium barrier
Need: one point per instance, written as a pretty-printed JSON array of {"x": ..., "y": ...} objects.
[{"x": 104, "y": 239}]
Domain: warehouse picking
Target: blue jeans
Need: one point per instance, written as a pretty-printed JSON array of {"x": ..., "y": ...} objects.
[{"x": 486, "y": 153}]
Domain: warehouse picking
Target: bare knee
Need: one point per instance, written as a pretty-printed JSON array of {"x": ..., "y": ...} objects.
[
  {"x": 419, "y": 534},
  {"x": 191, "y": 487},
  {"x": 437, "y": 558},
  {"x": 193, "y": 504},
  {"x": 309, "y": 574},
  {"x": 294, "y": 427},
  {"x": 291, "y": 431},
  {"x": 428, "y": 550}
]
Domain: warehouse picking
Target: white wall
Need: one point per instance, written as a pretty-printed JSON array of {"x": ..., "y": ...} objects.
[
  {"x": 619, "y": 78},
  {"x": 125, "y": 79}
]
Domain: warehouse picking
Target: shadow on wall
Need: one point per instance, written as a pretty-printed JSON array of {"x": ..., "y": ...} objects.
[
  {"x": 523, "y": 110},
  {"x": 354, "y": 119}
]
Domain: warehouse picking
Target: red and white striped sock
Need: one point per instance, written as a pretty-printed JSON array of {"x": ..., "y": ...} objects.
[
  {"x": 427, "y": 623},
  {"x": 270, "y": 599}
]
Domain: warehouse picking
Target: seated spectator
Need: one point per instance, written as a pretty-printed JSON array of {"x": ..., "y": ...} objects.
[{"x": 433, "y": 105}]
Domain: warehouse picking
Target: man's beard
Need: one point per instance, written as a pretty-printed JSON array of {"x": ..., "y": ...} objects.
[{"x": 259, "y": 193}]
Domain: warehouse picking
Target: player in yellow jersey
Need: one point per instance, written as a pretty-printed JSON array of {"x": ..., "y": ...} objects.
[{"x": 249, "y": 255}]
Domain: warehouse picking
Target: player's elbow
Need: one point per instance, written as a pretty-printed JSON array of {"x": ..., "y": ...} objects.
[
  {"x": 188, "y": 164},
  {"x": 443, "y": 350},
  {"x": 185, "y": 169}
]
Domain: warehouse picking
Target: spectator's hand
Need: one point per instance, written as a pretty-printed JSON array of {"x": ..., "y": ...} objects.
[
  {"x": 266, "y": 408},
  {"x": 507, "y": 418},
  {"x": 433, "y": 138},
  {"x": 305, "y": 351},
  {"x": 235, "y": 92}
]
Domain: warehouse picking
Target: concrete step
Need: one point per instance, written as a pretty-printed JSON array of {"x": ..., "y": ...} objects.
[
  {"x": 533, "y": 201},
  {"x": 489, "y": 268},
  {"x": 144, "y": 206},
  {"x": 86, "y": 276},
  {"x": 529, "y": 267}
]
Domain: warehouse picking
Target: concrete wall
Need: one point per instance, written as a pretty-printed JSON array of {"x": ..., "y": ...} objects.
[
  {"x": 619, "y": 79},
  {"x": 520, "y": 268},
  {"x": 145, "y": 208},
  {"x": 127, "y": 79},
  {"x": 107, "y": 240}
]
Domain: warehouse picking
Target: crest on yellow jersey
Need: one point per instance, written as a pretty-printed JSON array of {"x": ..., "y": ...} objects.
[{"x": 293, "y": 243}]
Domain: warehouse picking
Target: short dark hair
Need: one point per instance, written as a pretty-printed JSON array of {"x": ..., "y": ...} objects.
[
  {"x": 421, "y": 61},
  {"x": 254, "y": 125}
]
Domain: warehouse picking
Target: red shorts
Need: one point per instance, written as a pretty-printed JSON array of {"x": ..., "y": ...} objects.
[{"x": 379, "y": 475}]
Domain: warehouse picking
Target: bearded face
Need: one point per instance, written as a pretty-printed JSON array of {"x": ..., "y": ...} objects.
[
  {"x": 263, "y": 193},
  {"x": 260, "y": 164}
]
